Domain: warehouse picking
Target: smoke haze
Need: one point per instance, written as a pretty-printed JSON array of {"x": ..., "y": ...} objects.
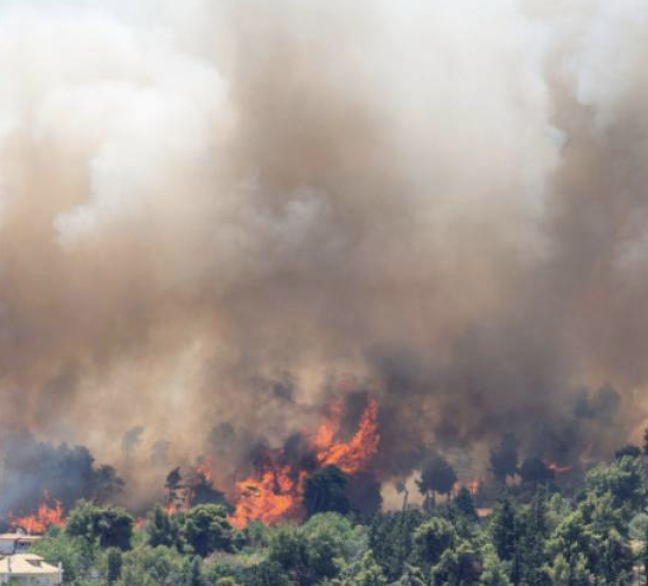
[{"x": 214, "y": 215}]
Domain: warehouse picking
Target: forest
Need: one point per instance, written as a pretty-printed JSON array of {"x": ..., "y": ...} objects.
[{"x": 527, "y": 529}]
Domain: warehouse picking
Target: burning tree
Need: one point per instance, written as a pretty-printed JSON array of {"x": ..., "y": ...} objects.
[{"x": 275, "y": 491}]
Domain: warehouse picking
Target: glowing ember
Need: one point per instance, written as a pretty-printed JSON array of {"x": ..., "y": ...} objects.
[
  {"x": 275, "y": 491},
  {"x": 558, "y": 469},
  {"x": 50, "y": 513}
]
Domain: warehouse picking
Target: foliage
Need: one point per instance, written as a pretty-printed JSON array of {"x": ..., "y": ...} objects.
[
  {"x": 534, "y": 537},
  {"x": 206, "y": 529},
  {"x": 107, "y": 526},
  {"x": 162, "y": 528}
]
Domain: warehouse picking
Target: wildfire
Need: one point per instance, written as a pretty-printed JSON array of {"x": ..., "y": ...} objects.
[
  {"x": 275, "y": 491},
  {"x": 49, "y": 513},
  {"x": 204, "y": 469}
]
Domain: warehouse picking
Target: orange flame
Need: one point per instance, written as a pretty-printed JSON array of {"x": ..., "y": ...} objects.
[
  {"x": 204, "y": 469},
  {"x": 275, "y": 492},
  {"x": 49, "y": 513}
]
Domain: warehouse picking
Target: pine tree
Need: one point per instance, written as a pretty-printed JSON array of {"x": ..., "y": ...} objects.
[
  {"x": 465, "y": 504},
  {"x": 503, "y": 530}
]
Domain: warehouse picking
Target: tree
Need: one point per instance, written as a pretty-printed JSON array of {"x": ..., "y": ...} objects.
[
  {"x": 194, "y": 575},
  {"x": 206, "y": 529},
  {"x": 531, "y": 546},
  {"x": 534, "y": 471},
  {"x": 465, "y": 504},
  {"x": 563, "y": 572},
  {"x": 495, "y": 571},
  {"x": 153, "y": 566},
  {"x": 638, "y": 526},
  {"x": 644, "y": 554},
  {"x": 437, "y": 475},
  {"x": 624, "y": 480},
  {"x": 325, "y": 490},
  {"x": 503, "y": 529},
  {"x": 628, "y": 450},
  {"x": 504, "y": 458},
  {"x": 460, "y": 566},
  {"x": 363, "y": 572},
  {"x": 432, "y": 539},
  {"x": 114, "y": 564},
  {"x": 107, "y": 526},
  {"x": 162, "y": 528}
]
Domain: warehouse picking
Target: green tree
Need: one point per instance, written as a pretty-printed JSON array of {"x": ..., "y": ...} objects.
[
  {"x": 363, "y": 572},
  {"x": 460, "y": 566},
  {"x": 194, "y": 575},
  {"x": 624, "y": 480},
  {"x": 114, "y": 564},
  {"x": 465, "y": 504},
  {"x": 495, "y": 571},
  {"x": 432, "y": 539},
  {"x": 162, "y": 528},
  {"x": 152, "y": 566},
  {"x": 503, "y": 529},
  {"x": 206, "y": 529},
  {"x": 325, "y": 490},
  {"x": 75, "y": 554},
  {"x": 108, "y": 526},
  {"x": 572, "y": 572},
  {"x": 644, "y": 554},
  {"x": 531, "y": 546},
  {"x": 638, "y": 526}
]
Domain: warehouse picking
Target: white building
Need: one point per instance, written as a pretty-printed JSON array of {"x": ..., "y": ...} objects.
[
  {"x": 30, "y": 569},
  {"x": 11, "y": 543}
]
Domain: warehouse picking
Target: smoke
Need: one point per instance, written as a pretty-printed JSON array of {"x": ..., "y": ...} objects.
[{"x": 211, "y": 213}]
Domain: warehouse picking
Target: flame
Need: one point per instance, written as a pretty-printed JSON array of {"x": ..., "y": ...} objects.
[
  {"x": 274, "y": 492},
  {"x": 353, "y": 456},
  {"x": 204, "y": 469},
  {"x": 473, "y": 486},
  {"x": 559, "y": 469},
  {"x": 140, "y": 523},
  {"x": 49, "y": 513}
]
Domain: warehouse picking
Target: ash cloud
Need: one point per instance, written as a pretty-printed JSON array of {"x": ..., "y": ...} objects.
[{"x": 211, "y": 212}]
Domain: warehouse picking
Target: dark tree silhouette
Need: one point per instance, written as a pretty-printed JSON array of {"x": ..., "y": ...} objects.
[
  {"x": 629, "y": 450},
  {"x": 504, "y": 458},
  {"x": 437, "y": 475},
  {"x": 325, "y": 490},
  {"x": 535, "y": 471}
]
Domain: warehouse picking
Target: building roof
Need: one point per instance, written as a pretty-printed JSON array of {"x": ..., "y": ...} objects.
[
  {"x": 19, "y": 537},
  {"x": 26, "y": 564}
]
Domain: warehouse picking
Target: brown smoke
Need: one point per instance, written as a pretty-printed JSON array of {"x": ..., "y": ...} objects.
[{"x": 212, "y": 212}]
